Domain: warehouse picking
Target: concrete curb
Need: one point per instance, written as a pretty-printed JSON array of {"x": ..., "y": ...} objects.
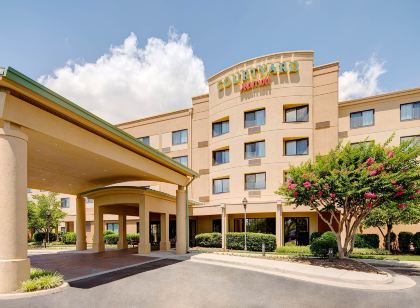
[
  {"x": 391, "y": 263},
  {"x": 310, "y": 273},
  {"x": 61, "y": 288}
]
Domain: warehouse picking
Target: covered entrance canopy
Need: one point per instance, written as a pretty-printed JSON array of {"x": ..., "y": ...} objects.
[{"x": 47, "y": 142}]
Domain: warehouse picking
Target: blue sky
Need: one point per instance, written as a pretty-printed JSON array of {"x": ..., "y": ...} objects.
[{"x": 39, "y": 37}]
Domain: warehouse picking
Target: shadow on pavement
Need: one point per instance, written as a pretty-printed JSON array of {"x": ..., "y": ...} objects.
[{"x": 100, "y": 279}]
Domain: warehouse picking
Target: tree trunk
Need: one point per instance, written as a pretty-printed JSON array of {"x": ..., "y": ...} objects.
[{"x": 341, "y": 252}]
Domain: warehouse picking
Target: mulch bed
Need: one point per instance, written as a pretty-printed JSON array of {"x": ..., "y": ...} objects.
[{"x": 346, "y": 264}]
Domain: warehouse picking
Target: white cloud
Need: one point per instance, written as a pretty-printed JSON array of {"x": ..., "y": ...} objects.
[
  {"x": 362, "y": 80},
  {"x": 130, "y": 82}
]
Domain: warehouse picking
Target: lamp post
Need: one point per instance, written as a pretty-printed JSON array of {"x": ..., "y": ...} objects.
[{"x": 245, "y": 202}]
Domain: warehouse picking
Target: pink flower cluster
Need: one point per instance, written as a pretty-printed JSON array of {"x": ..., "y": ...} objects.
[
  {"x": 399, "y": 193},
  {"x": 391, "y": 154},
  {"x": 370, "y": 161},
  {"x": 369, "y": 205},
  {"x": 402, "y": 206},
  {"x": 307, "y": 184},
  {"x": 370, "y": 195}
]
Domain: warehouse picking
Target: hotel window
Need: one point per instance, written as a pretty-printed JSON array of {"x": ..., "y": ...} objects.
[
  {"x": 220, "y": 186},
  {"x": 255, "y": 181},
  {"x": 254, "y": 149},
  {"x": 297, "y": 114},
  {"x": 217, "y": 225},
  {"x": 220, "y": 157},
  {"x": 112, "y": 227},
  {"x": 296, "y": 147},
  {"x": 254, "y": 118},
  {"x": 220, "y": 128},
  {"x": 182, "y": 160},
  {"x": 412, "y": 139},
  {"x": 145, "y": 140},
  {"x": 361, "y": 118},
  {"x": 180, "y": 137},
  {"x": 65, "y": 203},
  {"x": 410, "y": 111}
]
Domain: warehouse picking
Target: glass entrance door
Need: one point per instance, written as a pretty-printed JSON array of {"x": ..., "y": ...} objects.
[
  {"x": 155, "y": 235},
  {"x": 296, "y": 230}
]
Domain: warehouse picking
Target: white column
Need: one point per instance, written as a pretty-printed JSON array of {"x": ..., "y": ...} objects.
[
  {"x": 14, "y": 262},
  {"x": 279, "y": 224},
  {"x": 144, "y": 236},
  {"x": 98, "y": 236},
  {"x": 224, "y": 225},
  {"x": 80, "y": 223},
  {"x": 181, "y": 216},
  {"x": 122, "y": 232},
  {"x": 165, "y": 244}
]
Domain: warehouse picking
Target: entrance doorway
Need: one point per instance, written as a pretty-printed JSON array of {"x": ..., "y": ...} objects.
[
  {"x": 296, "y": 230},
  {"x": 155, "y": 235}
]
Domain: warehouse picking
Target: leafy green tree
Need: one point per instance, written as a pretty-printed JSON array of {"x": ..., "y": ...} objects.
[
  {"x": 44, "y": 212},
  {"x": 389, "y": 215},
  {"x": 345, "y": 185}
]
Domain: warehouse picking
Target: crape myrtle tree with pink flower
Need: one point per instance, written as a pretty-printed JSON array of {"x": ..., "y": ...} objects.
[{"x": 346, "y": 184}]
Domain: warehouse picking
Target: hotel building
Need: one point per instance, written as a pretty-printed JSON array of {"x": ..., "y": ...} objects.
[{"x": 259, "y": 117}]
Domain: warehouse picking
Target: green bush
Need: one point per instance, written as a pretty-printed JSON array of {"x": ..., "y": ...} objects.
[
  {"x": 41, "y": 279},
  {"x": 366, "y": 241},
  {"x": 69, "y": 238},
  {"x": 321, "y": 245},
  {"x": 213, "y": 239},
  {"x": 294, "y": 250},
  {"x": 133, "y": 238},
  {"x": 236, "y": 240},
  {"x": 404, "y": 241},
  {"x": 39, "y": 237},
  {"x": 314, "y": 236},
  {"x": 359, "y": 241},
  {"x": 111, "y": 239},
  {"x": 369, "y": 251},
  {"x": 416, "y": 243},
  {"x": 107, "y": 232}
]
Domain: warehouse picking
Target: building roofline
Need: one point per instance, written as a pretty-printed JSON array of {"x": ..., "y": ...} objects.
[
  {"x": 154, "y": 117},
  {"x": 116, "y": 135},
  {"x": 259, "y": 57},
  {"x": 380, "y": 97},
  {"x": 327, "y": 65}
]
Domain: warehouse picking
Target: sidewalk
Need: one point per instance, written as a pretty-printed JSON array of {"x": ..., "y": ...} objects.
[
  {"x": 392, "y": 263},
  {"x": 310, "y": 273}
]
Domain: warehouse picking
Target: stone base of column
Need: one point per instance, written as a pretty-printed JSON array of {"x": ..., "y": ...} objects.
[
  {"x": 144, "y": 248},
  {"x": 180, "y": 248},
  {"x": 81, "y": 245},
  {"x": 12, "y": 273},
  {"x": 98, "y": 247},
  {"x": 123, "y": 245},
  {"x": 165, "y": 245}
]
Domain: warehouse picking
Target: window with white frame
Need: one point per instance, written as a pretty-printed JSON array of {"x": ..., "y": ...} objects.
[
  {"x": 362, "y": 118},
  {"x": 65, "y": 203},
  {"x": 254, "y": 118},
  {"x": 180, "y": 137},
  {"x": 296, "y": 114},
  {"x": 410, "y": 111},
  {"x": 254, "y": 149},
  {"x": 220, "y": 186},
  {"x": 255, "y": 181}
]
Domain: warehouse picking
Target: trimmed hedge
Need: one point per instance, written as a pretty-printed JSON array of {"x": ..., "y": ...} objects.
[
  {"x": 416, "y": 243},
  {"x": 213, "y": 239},
  {"x": 111, "y": 239},
  {"x": 366, "y": 241},
  {"x": 314, "y": 236},
  {"x": 133, "y": 238},
  {"x": 107, "y": 232},
  {"x": 39, "y": 236},
  {"x": 404, "y": 241},
  {"x": 321, "y": 245},
  {"x": 294, "y": 250},
  {"x": 236, "y": 241},
  {"x": 69, "y": 238}
]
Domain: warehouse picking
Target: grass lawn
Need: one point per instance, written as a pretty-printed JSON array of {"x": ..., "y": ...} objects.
[{"x": 389, "y": 257}]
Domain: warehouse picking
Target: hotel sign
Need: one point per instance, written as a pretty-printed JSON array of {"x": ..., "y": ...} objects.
[{"x": 258, "y": 76}]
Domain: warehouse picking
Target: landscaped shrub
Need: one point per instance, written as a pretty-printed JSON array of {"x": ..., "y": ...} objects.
[
  {"x": 39, "y": 236},
  {"x": 321, "y": 245},
  {"x": 314, "y": 236},
  {"x": 404, "y": 241},
  {"x": 41, "y": 279},
  {"x": 236, "y": 240},
  {"x": 107, "y": 232},
  {"x": 416, "y": 243},
  {"x": 133, "y": 238},
  {"x": 213, "y": 239},
  {"x": 294, "y": 250},
  {"x": 69, "y": 238},
  {"x": 366, "y": 241},
  {"x": 111, "y": 239}
]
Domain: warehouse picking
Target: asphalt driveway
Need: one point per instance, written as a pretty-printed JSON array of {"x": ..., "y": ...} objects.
[{"x": 189, "y": 284}]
